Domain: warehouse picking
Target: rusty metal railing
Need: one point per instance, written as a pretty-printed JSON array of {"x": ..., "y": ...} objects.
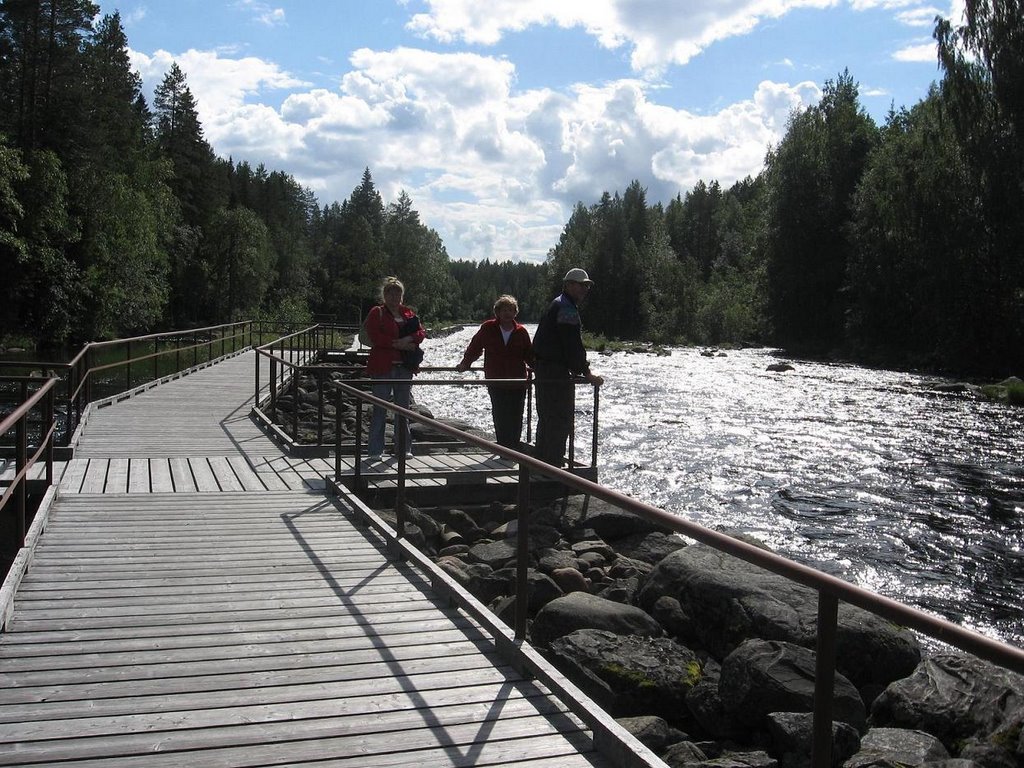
[
  {"x": 18, "y": 420},
  {"x": 830, "y": 589},
  {"x": 168, "y": 352}
]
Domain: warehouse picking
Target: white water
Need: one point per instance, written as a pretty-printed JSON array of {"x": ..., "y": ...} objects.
[{"x": 867, "y": 474}]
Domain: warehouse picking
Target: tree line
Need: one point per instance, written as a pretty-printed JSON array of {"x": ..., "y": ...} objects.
[{"x": 898, "y": 244}]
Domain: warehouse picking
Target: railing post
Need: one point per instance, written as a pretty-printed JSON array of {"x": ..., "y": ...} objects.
[
  {"x": 357, "y": 453},
  {"x": 177, "y": 354},
  {"x": 824, "y": 679},
  {"x": 522, "y": 552},
  {"x": 223, "y": 329},
  {"x": 88, "y": 374},
  {"x": 20, "y": 462},
  {"x": 273, "y": 387},
  {"x": 295, "y": 403},
  {"x": 195, "y": 349},
  {"x": 156, "y": 358},
  {"x": 256, "y": 394},
  {"x": 572, "y": 432},
  {"x": 593, "y": 444},
  {"x": 337, "y": 434},
  {"x": 74, "y": 406},
  {"x": 319, "y": 406},
  {"x": 47, "y": 427},
  {"x": 128, "y": 372},
  {"x": 400, "y": 449},
  {"x": 529, "y": 406}
]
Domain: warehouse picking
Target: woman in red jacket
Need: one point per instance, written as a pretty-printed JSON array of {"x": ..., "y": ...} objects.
[
  {"x": 393, "y": 329},
  {"x": 507, "y": 350}
]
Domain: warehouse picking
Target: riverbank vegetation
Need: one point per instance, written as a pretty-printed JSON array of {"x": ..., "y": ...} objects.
[{"x": 897, "y": 244}]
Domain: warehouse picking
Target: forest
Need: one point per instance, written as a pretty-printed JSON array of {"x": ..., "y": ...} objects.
[{"x": 899, "y": 244}]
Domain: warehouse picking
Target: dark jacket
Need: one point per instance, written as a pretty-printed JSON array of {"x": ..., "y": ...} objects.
[{"x": 559, "y": 337}]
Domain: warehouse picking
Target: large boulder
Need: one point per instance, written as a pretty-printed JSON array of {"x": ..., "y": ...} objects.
[
  {"x": 957, "y": 697},
  {"x": 652, "y": 731},
  {"x": 897, "y": 746},
  {"x": 627, "y": 674},
  {"x": 649, "y": 547},
  {"x": 792, "y": 736},
  {"x": 765, "y": 676},
  {"x": 581, "y": 610},
  {"x": 728, "y": 600},
  {"x": 611, "y": 523}
]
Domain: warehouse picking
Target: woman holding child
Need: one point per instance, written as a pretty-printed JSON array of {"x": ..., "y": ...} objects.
[{"x": 395, "y": 335}]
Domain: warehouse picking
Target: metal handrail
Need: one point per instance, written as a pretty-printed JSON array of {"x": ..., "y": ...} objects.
[
  {"x": 23, "y": 463},
  {"x": 830, "y": 589},
  {"x": 79, "y": 373}
]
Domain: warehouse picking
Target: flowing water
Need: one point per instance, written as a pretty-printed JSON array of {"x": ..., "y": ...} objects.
[{"x": 867, "y": 474}]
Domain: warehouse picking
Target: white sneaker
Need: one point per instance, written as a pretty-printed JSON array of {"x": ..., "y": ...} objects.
[{"x": 373, "y": 457}]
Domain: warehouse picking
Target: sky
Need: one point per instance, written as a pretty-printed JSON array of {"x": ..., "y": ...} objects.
[{"x": 498, "y": 116}]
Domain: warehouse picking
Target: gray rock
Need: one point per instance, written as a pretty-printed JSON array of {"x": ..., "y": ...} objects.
[
  {"x": 580, "y": 610},
  {"x": 648, "y": 547},
  {"x": 729, "y": 600},
  {"x": 955, "y": 697},
  {"x": 896, "y": 746},
  {"x": 652, "y": 731},
  {"x": 612, "y": 523},
  {"x": 742, "y": 760},
  {"x": 629, "y": 674},
  {"x": 552, "y": 560},
  {"x": 621, "y": 590},
  {"x": 685, "y": 754},
  {"x": 765, "y": 676},
  {"x": 570, "y": 580},
  {"x": 496, "y": 554},
  {"x": 792, "y": 736},
  {"x": 593, "y": 547},
  {"x": 669, "y": 613}
]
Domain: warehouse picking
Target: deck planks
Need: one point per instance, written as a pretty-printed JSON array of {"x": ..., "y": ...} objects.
[
  {"x": 196, "y": 600},
  {"x": 239, "y": 628}
]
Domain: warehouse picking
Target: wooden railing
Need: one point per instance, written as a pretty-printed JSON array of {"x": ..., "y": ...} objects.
[{"x": 830, "y": 589}]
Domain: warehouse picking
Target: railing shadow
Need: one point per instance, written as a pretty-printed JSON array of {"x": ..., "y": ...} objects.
[{"x": 458, "y": 750}]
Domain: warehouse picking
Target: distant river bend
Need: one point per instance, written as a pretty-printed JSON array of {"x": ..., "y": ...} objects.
[{"x": 866, "y": 474}]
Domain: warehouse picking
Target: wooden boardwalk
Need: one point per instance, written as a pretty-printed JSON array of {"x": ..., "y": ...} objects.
[{"x": 247, "y": 621}]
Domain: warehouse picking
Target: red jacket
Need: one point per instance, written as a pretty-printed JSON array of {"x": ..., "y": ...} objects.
[
  {"x": 501, "y": 360},
  {"x": 383, "y": 331}
]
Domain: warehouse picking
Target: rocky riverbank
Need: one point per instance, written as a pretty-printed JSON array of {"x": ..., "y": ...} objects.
[{"x": 710, "y": 661}]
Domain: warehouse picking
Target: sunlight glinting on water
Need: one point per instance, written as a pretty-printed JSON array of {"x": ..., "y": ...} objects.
[{"x": 864, "y": 473}]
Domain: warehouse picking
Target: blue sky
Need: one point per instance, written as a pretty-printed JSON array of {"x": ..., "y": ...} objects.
[{"x": 498, "y": 117}]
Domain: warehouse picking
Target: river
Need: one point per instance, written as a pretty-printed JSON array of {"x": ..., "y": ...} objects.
[{"x": 867, "y": 474}]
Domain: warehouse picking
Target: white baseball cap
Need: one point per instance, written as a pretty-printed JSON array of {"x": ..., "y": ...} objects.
[{"x": 577, "y": 275}]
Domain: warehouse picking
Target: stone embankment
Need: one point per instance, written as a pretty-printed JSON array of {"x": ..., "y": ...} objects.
[{"x": 710, "y": 661}]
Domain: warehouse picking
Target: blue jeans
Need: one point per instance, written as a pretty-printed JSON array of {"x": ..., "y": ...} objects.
[{"x": 399, "y": 394}]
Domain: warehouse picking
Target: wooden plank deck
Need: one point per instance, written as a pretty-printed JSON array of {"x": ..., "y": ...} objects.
[
  {"x": 196, "y": 600},
  {"x": 251, "y": 629}
]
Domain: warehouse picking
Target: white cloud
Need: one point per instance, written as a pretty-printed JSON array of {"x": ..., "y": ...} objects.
[
  {"x": 657, "y": 36},
  {"x": 919, "y": 53},
  {"x": 494, "y": 170},
  {"x": 262, "y": 13},
  {"x": 923, "y": 16}
]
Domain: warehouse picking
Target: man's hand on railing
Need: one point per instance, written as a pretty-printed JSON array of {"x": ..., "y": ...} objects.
[{"x": 594, "y": 379}]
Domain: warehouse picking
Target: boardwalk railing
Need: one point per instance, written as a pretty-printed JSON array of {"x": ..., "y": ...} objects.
[
  {"x": 41, "y": 401},
  {"x": 829, "y": 588},
  {"x": 290, "y": 359},
  {"x": 104, "y": 368}
]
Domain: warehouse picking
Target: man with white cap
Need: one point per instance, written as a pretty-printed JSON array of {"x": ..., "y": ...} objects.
[{"x": 560, "y": 355}]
